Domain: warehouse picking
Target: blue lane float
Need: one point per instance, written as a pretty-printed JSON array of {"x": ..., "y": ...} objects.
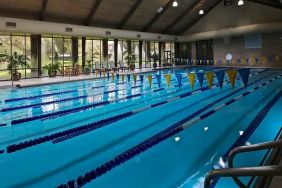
[
  {"x": 65, "y": 112},
  {"x": 70, "y": 133},
  {"x": 136, "y": 150},
  {"x": 3, "y": 125}
]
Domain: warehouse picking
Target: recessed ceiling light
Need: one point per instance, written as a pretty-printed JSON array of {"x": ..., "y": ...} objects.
[
  {"x": 201, "y": 12},
  {"x": 159, "y": 10},
  {"x": 175, "y": 4},
  {"x": 241, "y": 133},
  {"x": 206, "y": 128},
  {"x": 240, "y": 2}
]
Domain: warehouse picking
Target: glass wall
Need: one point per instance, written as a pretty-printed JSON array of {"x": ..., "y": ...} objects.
[
  {"x": 5, "y": 49},
  {"x": 59, "y": 49},
  {"x": 111, "y": 52},
  {"x": 56, "y": 49},
  {"x": 19, "y": 46},
  {"x": 135, "y": 51}
]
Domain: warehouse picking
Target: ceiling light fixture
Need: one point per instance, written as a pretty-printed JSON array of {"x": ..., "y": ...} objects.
[
  {"x": 159, "y": 10},
  {"x": 175, "y": 4},
  {"x": 201, "y": 12},
  {"x": 240, "y": 2}
]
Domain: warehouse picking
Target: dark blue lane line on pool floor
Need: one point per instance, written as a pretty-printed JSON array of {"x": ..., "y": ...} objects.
[
  {"x": 92, "y": 126},
  {"x": 73, "y": 110},
  {"x": 250, "y": 130},
  {"x": 129, "y": 154}
]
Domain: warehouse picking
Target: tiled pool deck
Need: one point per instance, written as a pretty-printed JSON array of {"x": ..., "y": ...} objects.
[{"x": 61, "y": 79}]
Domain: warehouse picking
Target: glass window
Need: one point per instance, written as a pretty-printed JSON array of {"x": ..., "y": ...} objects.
[
  {"x": 135, "y": 51},
  {"x": 5, "y": 49},
  {"x": 97, "y": 52},
  {"x": 58, "y": 51},
  {"x": 120, "y": 51},
  {"x": 111, "y": 51},
  {"x": 67, "y": 52},
  {"x": 46, "y": 53}
]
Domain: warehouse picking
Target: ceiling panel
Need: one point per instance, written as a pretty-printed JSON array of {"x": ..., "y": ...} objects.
[
  {"x": 145, "y": 12},
  {"x": 193, "y": 14},
  {"x": 111, "y": 12},
  {"x": 170, "y": 15},
  {"x": 69, "y": 8}
]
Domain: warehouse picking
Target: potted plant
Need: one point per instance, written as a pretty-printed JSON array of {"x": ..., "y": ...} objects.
[
  {"x": 16, "y": 61},
  {"x": 52, "y": 68},
  {"x": 87, "y": 68},
  {"x": 131, "y": 60},
  {"x": 155, "y": 58}
]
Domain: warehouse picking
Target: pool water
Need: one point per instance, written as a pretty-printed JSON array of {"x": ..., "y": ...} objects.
[{"x": 109, "y": 133}]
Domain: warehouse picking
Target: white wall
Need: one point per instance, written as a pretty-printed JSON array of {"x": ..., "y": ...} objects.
[
  {"x": 40, "y": 27},
  {"x": 222, "y": 17}
]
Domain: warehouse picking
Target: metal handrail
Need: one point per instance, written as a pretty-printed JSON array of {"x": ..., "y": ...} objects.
[
  {"x": 246, "y": 171},
  {"x": 254, "y": 147}
]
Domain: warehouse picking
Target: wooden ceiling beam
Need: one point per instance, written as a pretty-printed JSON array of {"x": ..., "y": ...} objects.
[
  {"x": 92, "y": 12},
  {"x": 197, "y": 19},
  {"x": 182, "y": 15},
  {"x": 129, "y": 14},
  {"x": 43, "y": 10},
  {"x": 157, "y": 16}
]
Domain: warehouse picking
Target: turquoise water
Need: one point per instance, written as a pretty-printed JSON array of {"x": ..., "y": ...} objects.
[{"x": 181, "y": 160}]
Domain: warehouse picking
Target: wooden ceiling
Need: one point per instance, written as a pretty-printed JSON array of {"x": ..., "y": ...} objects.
[{"x": 138, "y": 15}]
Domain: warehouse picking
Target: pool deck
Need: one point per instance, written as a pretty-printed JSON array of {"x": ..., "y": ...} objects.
[{"x": 62, "y": 79}]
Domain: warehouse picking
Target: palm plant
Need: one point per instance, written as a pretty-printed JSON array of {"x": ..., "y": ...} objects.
[
  {"x": 130, "y": 59},
  {"x": 91, "y": 59},
  {"x": 155, "y": 58},
  {"x": 52, "y": 68},
  {"x": 16, "y": 61}
]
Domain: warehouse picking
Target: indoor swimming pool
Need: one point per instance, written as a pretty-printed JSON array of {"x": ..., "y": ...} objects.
[{"x": 121, "y": 131}]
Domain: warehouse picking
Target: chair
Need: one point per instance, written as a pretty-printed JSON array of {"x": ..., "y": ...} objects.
[
  {"x": 68, "y": 71},
  {"x": 113, "y": 67},
  {"x": 77, "y": 70},
  {"x": 123, "y": 67}
]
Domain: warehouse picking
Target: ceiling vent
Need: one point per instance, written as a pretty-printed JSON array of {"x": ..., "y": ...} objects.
[
  {"x": 159, "y": 37},
  {"x": 11, "y": 24},
  {"x": 138, "y": 36},
  {"x": 68, "y": 29},
  {"x": 108, "y": 33}
]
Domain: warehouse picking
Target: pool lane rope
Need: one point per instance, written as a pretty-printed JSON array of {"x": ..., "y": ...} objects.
[
  {"x": 65, "y": 100},
  {"x": 70, "y": 133},
  {"x": 133, "y": 112},
  {"x": 152, "y": 141},
  {"x": 73, "y": 110}
]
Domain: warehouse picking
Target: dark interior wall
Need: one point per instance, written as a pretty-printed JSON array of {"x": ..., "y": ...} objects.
[
  {"x": 204, "y": 49},
  {"x": 183, "y": 50},
  {"x": 271, "y": 47}
]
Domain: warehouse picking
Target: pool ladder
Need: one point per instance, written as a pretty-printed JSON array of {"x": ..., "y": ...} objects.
[{"x": 235, "y": 173}]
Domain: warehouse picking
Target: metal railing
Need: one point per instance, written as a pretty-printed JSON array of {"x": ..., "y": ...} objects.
[{"x": 235, "y": 173}]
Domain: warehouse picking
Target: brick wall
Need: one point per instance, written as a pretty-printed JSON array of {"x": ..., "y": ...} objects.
[{"x": 271, "y": 47}]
